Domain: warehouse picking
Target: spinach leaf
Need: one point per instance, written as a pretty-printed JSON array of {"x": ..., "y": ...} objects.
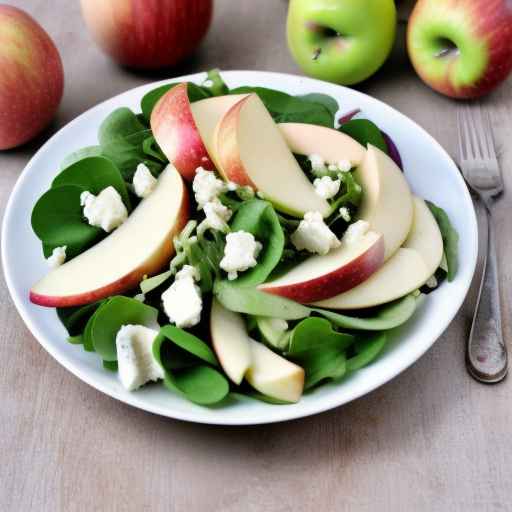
[
  {"x": 323, "y": 99},
  {"x": 259, "y": 218},
  {"x": 111, "y": 316},
  {"x": 79, "y": 154},
  {"x": 93, "y": 174},
  {"x": 243, "y": 299},
  {"x": 182, "y": 356},
  {"x": 365, "y": 132},
  {"x": 218, "y": 87},
  {"x": 119, "y": 124},
  {"x": 57, "y": 219},
  {"x": 75, "y": 319},
  {"x": 367, "y": 349},
  {"x": 450, "y": 238},
  {"x": 285, "y": 108}
]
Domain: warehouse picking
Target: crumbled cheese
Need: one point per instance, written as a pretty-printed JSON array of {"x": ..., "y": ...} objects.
[
  {"x": 432, "y": 282},
  {"x": 326, "y": 187},
  {"x": 140, "y": 297},
  {"x": 355, "y": 231},
  {"x": 217, "y": 215},
  {"x": 143, "y": 181},
  {"x": 182, "y": 301},
  {"x": 278, "y": 324},
  {"x": 344, "y": 165},
  {"x": 332, "y": 167},
  {"x": 106, "y": 210},
  {"x": 344, "y": 213},
  {"x": 240, "y": 253},
  {"x": 232, "y": 186},
  {"x": 135, "y": 360},
  {"x": 317, "y": 162},
  {"x": 206, "y": 186},
  {"x": 58, "y": 257},
  {"x": 314, "y": 235}
]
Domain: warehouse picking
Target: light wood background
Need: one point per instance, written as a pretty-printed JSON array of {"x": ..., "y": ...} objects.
[{"x": 431, "y": 440}]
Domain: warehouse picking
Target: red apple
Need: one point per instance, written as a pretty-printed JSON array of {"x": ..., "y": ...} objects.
[
  {"x": 31, "y": 80},
  {"x": 461, "y": 48},
  {"x": 148, "y": 34}
]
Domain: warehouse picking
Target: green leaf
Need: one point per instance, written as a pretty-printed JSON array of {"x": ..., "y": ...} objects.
[
  {"x": 259, "y": 218},
  {"x": 285, "y": 108},
  {"x": 79, "y": 154},
  {"x": 252, "y": 301},
  {"x": 271, "y": 333},
  {"x": 182, "y": 357},
  {"x": 450, "y": 238},
  {"x": 267, "y": 399},
  {"x": 119, "y": 124},
  {"x": 386, "y": 317},
  {"x": 367, "y": 349},
  {"x": 365, "y": 132},
  {"x": 323, "y": 99},
  {"x": 110, "y": 366},
  {"x": 57, "y": 219},
  {"x": 111, "y": 316},
  {"x": 75, "y": 319},
  {"x": 94, "y": 174},
  {"x": 218, "y": 86},
  {"x": 151, "y": 283}
]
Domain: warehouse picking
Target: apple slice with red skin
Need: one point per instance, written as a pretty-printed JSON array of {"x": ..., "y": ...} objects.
[
  {"x": 175, "y": 131},
  {"x": 321, "y": 277},
  {"x": 253, "y": 152},
  {"x": 407, "y": 270},
  {"x": 141, "y": 246},
  {"x": 330, "y": 144}
]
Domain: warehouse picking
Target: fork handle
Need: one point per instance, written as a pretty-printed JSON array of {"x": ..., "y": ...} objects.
[{"x": 486, "y": 355}]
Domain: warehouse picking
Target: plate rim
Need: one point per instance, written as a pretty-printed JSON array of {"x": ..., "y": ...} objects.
[{"x": 192, "y": 416}]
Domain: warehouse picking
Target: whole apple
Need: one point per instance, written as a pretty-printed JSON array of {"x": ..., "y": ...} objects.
[
  {"x": 148, "y": 34},
  {"x": 31, "y": 80},
  {"x": 342, "y": 41},
  {"x": 461, "y": 48}
]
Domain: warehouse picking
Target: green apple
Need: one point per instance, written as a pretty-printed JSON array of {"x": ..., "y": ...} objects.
[{"x": 341, "y": 41}]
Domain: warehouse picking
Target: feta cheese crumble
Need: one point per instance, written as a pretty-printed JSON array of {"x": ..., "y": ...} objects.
[
  {"x": 232, "y": 186},
  {"x": 106, "y": 210},
  {"x": 182, "y": 301},
  {"x": 278, "y": 324},
  {"x": 355, "y": 231},
  {"x": 344, "y": 165},
  {"x": 432, "y": 282},
  {"x": 58, "y": 257},
  {"x": 240, "y": 253},
  {"x": 136, "y": 364},
  {"x": 217, "y": 215},
  {"x": 143, "y": 181},
  {"x": 140, "y": 297},
  {"x": 317, "y": 162},
  {"x": 206, "y": 186},
  {"x": 314, "y": 235},
  {"x": 344, "y": 213},
  {"x": 326, "y": 187}
]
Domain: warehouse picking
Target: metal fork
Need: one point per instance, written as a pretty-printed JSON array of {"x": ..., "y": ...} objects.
[{"x": 486, "y": 354}]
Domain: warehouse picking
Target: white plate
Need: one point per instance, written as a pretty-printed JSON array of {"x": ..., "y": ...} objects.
[{"x": 429, "y": 170}]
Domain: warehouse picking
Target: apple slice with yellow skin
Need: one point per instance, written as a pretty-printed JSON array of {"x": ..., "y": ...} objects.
[
  {"x": 387, "y": 199},
  {"x": 321, "y": 277},
  {"x": 175, "y": 131},
  {"x": 407, "y": 270},
  {"x": 252, "y": 152},
  {"x": 207, "y": 113},
  {"x": 330, "y": 144},
  {"x": 142, "y": 245},
  {"x": 230, "y": 341},
  {"x": 274, "y": 375}
]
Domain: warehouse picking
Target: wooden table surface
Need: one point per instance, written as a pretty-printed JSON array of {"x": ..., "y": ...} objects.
[{"x": 431, "y": 440}]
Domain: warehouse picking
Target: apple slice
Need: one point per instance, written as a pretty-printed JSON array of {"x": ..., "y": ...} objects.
[
  {"x": 176, "y": 133},
  {"x": 207, "y": 113},
  {"x": 230, "y": 341},
  {"x": 407, "y": 270},
  {"x": 321, "y": 277},
  {"x": 387, "y": 199},
  {"x": 252, "y": 152},
  {"x": 140, "y": 246},
  {"x": 274, "y": 375},
  {"x": 330, "y": 144}
]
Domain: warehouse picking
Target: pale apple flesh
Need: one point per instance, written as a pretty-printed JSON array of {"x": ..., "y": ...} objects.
[
  {"x": 274, "y": 375},
  {"x": 252, "y": 152},
  {"x": 207, "y": 113},
  {"x": 141, "y": 246},
  {"x": 321, "y": 277},
  {"x": 407, "y": 270},
  {"x": 230, "y": 341},
  {"x": 387, "y": 201},
  {"x": 176, "y": 133},
  {"x": 330, "y": 144}
]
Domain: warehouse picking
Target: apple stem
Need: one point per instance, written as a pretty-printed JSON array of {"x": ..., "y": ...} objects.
[{"x": 317, "y": 53}]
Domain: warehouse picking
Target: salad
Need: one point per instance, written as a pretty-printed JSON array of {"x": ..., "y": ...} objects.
[{"x": 237, "y": 242}]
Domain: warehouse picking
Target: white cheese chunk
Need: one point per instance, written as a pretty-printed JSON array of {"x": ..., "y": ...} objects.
[
  {"x": 355, "y": 231},
  {"x": 326, "y": 187},
  {"x": 314, "y": 235},
  {"x": 135, "y": 361},
  {"x": 206, "y": 186},
  {"x": 344, "y": 213},
  {"x": 143, "y": 181},
  {"x": 317, "y": 162},
  {"x": 240, "y": 253},
  {"x": 217, "y": 215},
  {"x": 106, "y": 210},
  {"x": 432, "y": 282},
  {"x": 344, "y": 165},
  {"x": 58, "y": 257}
]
